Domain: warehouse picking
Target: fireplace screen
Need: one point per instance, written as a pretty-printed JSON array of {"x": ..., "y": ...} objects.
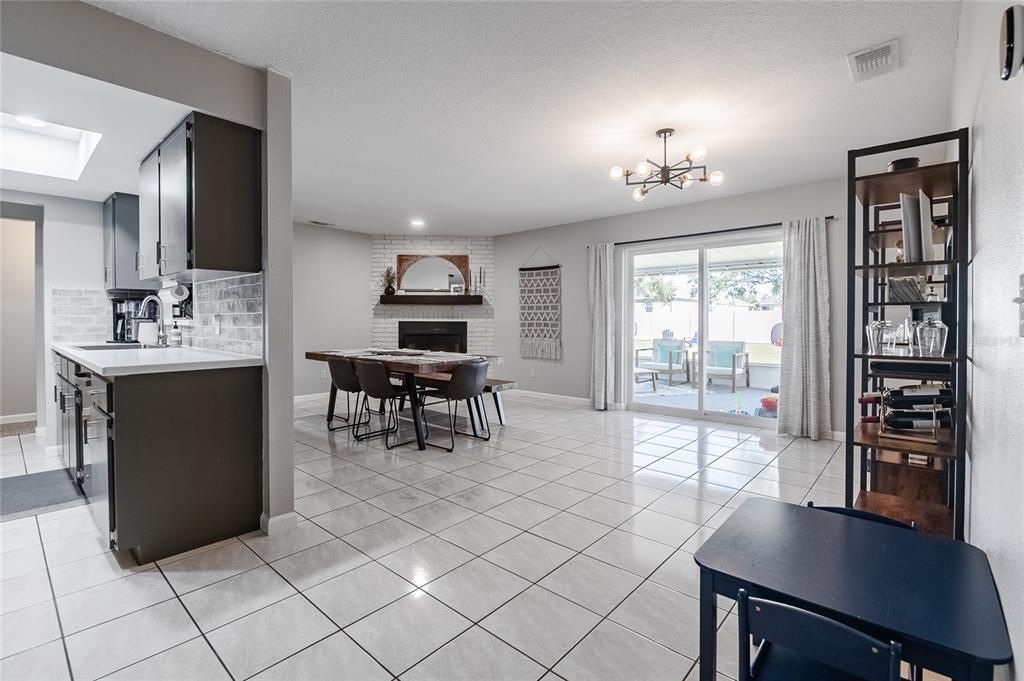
[{"x": 441, "y": 336}]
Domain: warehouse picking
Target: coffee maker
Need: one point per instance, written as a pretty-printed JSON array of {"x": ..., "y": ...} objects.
[{"x": 126, "y": 306}]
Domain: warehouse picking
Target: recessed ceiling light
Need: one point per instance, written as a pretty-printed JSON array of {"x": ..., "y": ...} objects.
[
  {"x": 30, "y": 121},
  {"x": 40, "y": 148},
  {"x": 416, "y": 223}
]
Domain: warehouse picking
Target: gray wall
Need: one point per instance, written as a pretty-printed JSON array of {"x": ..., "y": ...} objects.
[
  {"x": 568, "y": 245},
  {"x": 332, "y": 268},
  {"x": 17, "y": 317},
  {"x": 72, "y": 258},
  {"x": 995, "y": 111}
]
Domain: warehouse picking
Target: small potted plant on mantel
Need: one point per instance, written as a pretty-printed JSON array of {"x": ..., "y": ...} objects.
[{"x": 388, "y": 279}]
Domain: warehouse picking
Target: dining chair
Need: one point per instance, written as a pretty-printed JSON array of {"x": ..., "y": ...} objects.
[
  {"x": 375, "y": 382},
  {"x": 343, "y": 377},
  {"x": 466, "y": 384},
  {"x": 798, "y": 645},
  {"x": 864, "y": 515}
]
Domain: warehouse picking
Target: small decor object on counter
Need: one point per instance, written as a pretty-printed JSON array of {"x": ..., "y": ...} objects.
[
  {"x": 388, "y": 280},
  {"x": 540, "y": 312},
  {"x": 931, "y": 338},
  {"x": 458, "y": 289},
  {"x": 174, "y": 336}
]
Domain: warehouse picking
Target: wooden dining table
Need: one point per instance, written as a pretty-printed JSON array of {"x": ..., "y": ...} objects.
[
  {"x": 407, "y": 363},
  {"x": 934, "y": 595}
]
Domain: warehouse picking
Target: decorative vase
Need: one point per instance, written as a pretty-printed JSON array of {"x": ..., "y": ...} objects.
[
  {"x": 389, "y": 290},
  {"x": 931, "y": 338}
]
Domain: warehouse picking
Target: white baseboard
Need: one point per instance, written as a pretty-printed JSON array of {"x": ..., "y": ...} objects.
[
  {"x": 549, "y": 396},
  {"x": 278, "y": 523},
  {"x": 311, "y": 396},
  {"x": 18, "y": 418}
]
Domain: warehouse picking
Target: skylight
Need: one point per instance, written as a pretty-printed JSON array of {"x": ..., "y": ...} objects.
[{"x": 31, "y": 145}]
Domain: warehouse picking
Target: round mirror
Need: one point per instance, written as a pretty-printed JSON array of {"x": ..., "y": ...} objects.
[{"x": 431, "y": 273}]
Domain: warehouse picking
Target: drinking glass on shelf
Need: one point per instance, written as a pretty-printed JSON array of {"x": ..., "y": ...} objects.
[{"x": 931, "y": 338}]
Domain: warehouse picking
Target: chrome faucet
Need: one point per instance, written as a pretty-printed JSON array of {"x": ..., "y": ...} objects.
[{"x": 161, "y": 335}]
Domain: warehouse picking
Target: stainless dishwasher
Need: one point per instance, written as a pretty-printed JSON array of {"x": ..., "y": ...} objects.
[{"x": 98, "y": 455}]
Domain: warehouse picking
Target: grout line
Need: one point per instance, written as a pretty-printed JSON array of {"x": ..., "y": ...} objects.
[{"x": 53, "y": 600}]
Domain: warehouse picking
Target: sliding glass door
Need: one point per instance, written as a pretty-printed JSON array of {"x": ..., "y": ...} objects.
[{"x": 704, "y": 330}]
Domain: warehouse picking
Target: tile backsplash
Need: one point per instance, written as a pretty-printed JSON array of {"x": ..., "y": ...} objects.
[
  {"x": 79, "y": 316},
  {"x": 228, "y": 315}
]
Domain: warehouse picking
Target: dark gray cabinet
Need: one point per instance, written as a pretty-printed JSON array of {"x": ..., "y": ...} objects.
[
  {"x": 201, "y": 205},
  {"x": 149, "y": 216},
  {"x": 121, "y": 255}
]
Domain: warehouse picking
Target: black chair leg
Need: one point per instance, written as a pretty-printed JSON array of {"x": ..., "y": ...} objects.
[
  {"x": 499, "y": 407},
  {"x": 472, "y": 418},
  {"x": 348, "y": 415}
]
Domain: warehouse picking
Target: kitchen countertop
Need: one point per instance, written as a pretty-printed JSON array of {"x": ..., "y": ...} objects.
[{"x": 125, "y": 361}]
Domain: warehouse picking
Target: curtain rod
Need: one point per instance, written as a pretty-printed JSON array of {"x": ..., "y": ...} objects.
[{"x": 713, "y": 232}]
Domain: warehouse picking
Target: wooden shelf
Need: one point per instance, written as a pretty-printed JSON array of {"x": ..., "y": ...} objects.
[
  {"x": 431, "y": 299},
  {"x": 937, "y": 180},
  {"x": 867, "y": 435},
  {"x": 905, "y": 355},
  {"x": 905, "y": 269},
  {"x": 887, "y": 237},
  {"x": 927, "y": 515}
]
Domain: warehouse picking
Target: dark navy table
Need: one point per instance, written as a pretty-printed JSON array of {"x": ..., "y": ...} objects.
[{"x": 934, "y": 595}]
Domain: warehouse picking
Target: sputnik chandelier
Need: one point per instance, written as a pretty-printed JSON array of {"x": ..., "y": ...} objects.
[{"x": 648, "y": 174}]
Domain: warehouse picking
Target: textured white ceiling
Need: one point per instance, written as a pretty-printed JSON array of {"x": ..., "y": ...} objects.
[
  {"x": 494, "y": 117},
  {"x": 132, "y": 124}
]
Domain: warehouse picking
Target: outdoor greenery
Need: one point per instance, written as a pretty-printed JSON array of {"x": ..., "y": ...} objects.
[
  {"x": 729, "y": 286},
  {"x": 651, "y": 290}
]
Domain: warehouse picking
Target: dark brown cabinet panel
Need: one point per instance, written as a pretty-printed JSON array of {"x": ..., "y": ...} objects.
[{"x": 209, "y": 198}]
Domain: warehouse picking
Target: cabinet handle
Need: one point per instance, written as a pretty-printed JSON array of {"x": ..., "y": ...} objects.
[
  {"x": 101, "y": 391},
  {"x": 163, "y": 255},
  {"x": 136, "y": 261}
]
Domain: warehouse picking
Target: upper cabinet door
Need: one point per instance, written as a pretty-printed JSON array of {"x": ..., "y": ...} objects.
[
  {"x": 126, "y": 245},
  {"x": 227, "y": 203},
  {"x": 175, "y": 215},
  {"x": 149, "y": 217},
  {"x": 108, "y": 244}
]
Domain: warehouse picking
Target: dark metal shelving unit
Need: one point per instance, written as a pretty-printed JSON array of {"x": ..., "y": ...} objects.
[{"x": 870, "y": 234}]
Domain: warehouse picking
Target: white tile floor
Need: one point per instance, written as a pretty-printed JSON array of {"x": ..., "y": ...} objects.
[
  {"x": 562, "y": 548},
  {"x": 23, "y": 454}
]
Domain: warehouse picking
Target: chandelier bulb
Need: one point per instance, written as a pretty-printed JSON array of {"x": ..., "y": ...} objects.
[
  {"x": 639, "y": 194},
  {"x": 687, "y": 180},
  {"x": 616, "y": 173},
  {"x": 643, "y": 169},
  {"x": 697, "y": 154},
  {"x": 716, "y": 178}
]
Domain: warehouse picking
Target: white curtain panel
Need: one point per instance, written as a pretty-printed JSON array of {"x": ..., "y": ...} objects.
[
  {"x": 602, "y": 318},
  {"x": 805, "y": 408}
]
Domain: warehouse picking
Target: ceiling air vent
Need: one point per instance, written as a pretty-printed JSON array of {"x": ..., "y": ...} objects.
[{"x": 874, "y": 61}]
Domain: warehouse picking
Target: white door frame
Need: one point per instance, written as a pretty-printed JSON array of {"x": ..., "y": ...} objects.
[{"x": 625, "y": 331}]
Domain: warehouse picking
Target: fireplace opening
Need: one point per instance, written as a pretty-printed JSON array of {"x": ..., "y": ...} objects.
[{"x": 440, "y": 336}]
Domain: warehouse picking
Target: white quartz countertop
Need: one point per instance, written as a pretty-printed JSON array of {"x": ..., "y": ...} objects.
[{"x": 118, "y": 360}]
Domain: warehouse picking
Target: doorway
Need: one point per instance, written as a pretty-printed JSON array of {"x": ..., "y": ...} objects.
[
  {"x": 703, "y": 326},
  {"x": 17, "y": 328}
]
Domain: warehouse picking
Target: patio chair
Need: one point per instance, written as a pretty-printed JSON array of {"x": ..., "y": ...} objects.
[
  {"x": 728, "y": 359},
  {"x": 668, "y": 356}
]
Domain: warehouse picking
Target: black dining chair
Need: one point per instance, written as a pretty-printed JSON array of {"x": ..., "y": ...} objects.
[
  {"x": 375, "y": 382},
  {"x": 466, "y": 385},
  {"x": 343, "y": 377},
  {"x": 797, "y": 645},
  {"x": 864, "y": 515}
]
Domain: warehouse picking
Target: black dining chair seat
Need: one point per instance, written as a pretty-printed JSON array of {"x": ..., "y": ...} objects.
[
  {"x": 375, "y": 381},
  {"x": 799, "y": 645},
  {"x": 467, "y": 384},
  {"x": 785, "y": 665}
]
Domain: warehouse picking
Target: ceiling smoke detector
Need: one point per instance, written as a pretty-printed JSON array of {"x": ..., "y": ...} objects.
[{"x": 874, "y": 61}]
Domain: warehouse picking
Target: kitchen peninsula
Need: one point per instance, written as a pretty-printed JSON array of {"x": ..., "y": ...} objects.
[{"x": 166, "y": 442}]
